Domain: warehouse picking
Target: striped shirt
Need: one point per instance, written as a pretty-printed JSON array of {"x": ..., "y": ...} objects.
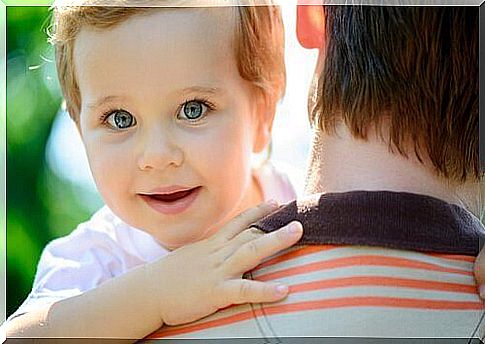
[{"x": 350, "y": 290}]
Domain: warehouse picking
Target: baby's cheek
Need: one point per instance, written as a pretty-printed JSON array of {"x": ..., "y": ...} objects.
[{"x": 110, "y": 175}]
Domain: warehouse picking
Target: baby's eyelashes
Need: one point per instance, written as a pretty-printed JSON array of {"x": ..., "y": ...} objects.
[
  {"x": 195, "y": 110},
  {"x": 118, "y": 119}
]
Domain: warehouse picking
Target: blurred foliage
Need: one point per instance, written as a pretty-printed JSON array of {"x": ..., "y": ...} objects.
[
  {"x": 3, "y": 86},
  {"x": 40, "y": 205}
]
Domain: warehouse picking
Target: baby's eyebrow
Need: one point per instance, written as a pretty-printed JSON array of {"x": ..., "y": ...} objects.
[
  {"x": 94, "y": 105},
  {"x": 202, "y": 89}
]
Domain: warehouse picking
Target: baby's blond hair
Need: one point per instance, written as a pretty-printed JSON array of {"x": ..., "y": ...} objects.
[{"x": 258, "y": 40}]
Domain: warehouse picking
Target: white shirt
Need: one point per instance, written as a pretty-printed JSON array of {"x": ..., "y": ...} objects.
[{"x": 105, "y": 247}]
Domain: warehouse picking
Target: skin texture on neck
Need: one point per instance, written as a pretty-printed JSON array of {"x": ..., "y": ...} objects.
[{"x": 341, "y": 163}]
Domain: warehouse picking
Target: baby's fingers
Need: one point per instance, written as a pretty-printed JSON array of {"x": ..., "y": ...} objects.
[
  {"x": 243, "y": 220},
  {"x": 253, "y": 252},
  {"x": 243, "y": 291}
]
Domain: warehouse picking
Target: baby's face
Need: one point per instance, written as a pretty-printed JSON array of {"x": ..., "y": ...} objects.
[{"x": 168, "y": 123}]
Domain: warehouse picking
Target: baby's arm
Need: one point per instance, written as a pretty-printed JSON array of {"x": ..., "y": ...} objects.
[
  {"x": 119, "y": 308},
  {"x": 186, "y": 285}
]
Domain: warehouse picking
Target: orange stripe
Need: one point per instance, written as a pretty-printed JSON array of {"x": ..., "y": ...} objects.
[
  {"x": 458, "y": 257},
  {"x": 384, "y": 281},
  {"x": 325, "y": 304},
  {"x": 359, "y": 261},
  {"x": 297, "y": 253}
]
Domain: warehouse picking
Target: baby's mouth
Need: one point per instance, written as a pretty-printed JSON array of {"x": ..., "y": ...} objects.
[
  {"x": 172, "y": 202},
  {"x": 171, "y": 197}
]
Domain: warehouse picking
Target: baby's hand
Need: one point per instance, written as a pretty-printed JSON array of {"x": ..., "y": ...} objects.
[{"x": 198, "y": 279}]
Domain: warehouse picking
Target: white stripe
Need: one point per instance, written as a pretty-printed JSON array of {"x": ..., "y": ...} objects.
[{"x": 379, "y": 291}]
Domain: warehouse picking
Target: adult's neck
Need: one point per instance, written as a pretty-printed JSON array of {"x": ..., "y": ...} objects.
[{"x": 341, "y": 163}]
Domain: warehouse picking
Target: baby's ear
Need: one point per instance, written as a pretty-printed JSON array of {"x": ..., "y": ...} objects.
[
  {"x": 310, "y": 25},
  {"x": 265, "y": 112}
]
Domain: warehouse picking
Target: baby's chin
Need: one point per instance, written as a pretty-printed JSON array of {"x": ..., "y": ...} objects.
[
  {"x": 175, "y": 235},
  {"x": 177, "y": 241}
]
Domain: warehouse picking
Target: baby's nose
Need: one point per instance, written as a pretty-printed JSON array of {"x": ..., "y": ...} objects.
[{"x": 159, "y": 152}]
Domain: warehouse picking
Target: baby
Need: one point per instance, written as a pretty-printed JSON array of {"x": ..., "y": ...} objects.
[{"x": 170, "y": 104}]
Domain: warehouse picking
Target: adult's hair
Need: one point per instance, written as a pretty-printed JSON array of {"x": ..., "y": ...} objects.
[
  {"x": 414, "y": 69},
  {"x": 258, "y": 40}
]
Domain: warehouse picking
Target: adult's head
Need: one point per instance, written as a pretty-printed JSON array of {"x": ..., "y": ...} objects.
[{"x": 408, "y": 73}]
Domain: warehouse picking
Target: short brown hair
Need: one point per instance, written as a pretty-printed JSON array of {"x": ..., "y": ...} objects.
[
  {"x": 259, "y": 43},
  {"x": 416, "y": 68}
]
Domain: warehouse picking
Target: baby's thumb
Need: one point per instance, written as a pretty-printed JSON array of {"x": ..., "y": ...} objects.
[{"x": 249, "y": 291}]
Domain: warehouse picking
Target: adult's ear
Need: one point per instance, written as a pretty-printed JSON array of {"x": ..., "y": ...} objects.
[{"x": 310, "y": 25}]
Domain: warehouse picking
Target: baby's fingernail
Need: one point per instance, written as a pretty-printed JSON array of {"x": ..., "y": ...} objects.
[
  {"x": 481, "y": 289},
  {"x": 281, "y": 289},
  {"x": 294, "y": 228}
]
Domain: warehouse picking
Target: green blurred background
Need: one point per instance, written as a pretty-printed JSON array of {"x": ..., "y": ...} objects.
[{"x": 41, "y": 204}]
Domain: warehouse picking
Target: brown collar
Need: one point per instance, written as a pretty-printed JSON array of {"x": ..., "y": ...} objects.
[{"x": 396, "y": 220}]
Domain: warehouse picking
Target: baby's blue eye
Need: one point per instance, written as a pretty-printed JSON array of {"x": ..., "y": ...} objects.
[
  {"x": 120, "y": 119},
  {"x": 193, "y": 110}
]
